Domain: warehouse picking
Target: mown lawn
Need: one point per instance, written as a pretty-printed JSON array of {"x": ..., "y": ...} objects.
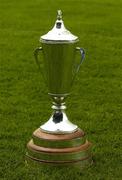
[{"x": 95, "y": 104}]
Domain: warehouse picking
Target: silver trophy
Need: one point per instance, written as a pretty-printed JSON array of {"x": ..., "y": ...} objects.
[
  {"x": 59, "y": 134},
  {"x": 59, "y": 47}
]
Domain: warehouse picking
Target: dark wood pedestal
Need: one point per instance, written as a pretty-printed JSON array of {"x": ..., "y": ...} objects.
[{"x": 59, "y": 149}]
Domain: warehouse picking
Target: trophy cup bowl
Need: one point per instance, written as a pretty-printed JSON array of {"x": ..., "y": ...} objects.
[{"x": 59, "y": 136}]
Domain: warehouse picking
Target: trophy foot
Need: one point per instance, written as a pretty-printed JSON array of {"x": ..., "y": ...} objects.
[
  {"x": 59, "y": 124},
  {"x": 59, "y": 149}
]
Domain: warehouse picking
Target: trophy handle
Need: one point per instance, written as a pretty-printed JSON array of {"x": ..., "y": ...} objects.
[
  {"x": 82, "y": 52},
  {"x": 36, "y": 52}
]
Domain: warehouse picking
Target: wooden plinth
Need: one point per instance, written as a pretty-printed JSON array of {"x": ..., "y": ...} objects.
[{"x": 59, "y": 149}]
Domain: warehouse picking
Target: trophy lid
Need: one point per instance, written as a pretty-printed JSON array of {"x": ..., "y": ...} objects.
[{"x": 59, "y": 34}]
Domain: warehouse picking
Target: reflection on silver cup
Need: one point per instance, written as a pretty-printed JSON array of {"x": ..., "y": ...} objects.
[{"x": 59, "y": 47}]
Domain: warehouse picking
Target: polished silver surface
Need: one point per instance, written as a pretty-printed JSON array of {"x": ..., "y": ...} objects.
[
  {"x": 59, "y": 66},
  {"x": 59, "y": 34},
  {"x": 59, "y": 48},
  {"x": 59, "y": 122},
  {"x": 64, "y": 126}
]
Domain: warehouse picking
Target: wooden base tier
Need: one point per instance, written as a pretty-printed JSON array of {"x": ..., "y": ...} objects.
[{"x": 59, "y": 149}]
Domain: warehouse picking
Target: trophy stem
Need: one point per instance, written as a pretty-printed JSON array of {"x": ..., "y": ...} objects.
[{"x": 58, "y": 122}]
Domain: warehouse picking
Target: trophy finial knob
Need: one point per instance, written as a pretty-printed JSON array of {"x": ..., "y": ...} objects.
[{"x": 59, "y": 14}]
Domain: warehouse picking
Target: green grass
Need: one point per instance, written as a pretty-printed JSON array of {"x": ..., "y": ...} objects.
[{"x": 95, "y": 104}]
